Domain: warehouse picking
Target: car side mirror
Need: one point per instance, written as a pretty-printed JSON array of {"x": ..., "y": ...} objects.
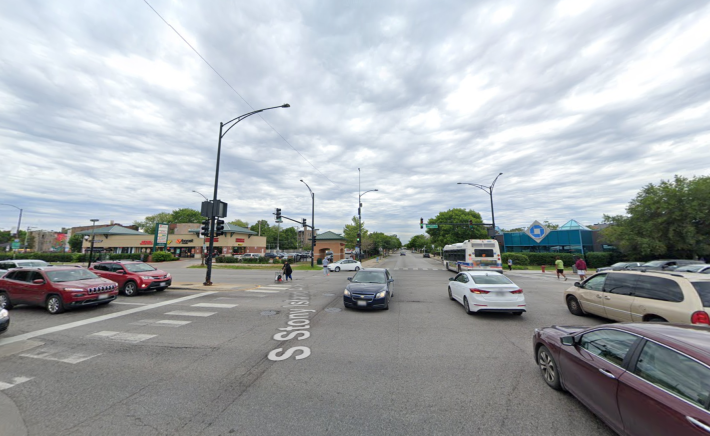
[
  {"x": 390, "y": 281},
  {"x": 38, "y": 281},
  {"x": 350, "y": 279},
  {"x": 568, "y": 340},
  {"x": 451, "y": 279},
  {"x": 577, "y": 285}
]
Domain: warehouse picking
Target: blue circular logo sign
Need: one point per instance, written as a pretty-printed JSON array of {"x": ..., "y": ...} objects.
[{"x": 537, "y": 231}]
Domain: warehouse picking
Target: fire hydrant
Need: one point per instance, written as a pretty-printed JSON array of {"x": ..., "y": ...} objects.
[{"x": 543, "y": 268}]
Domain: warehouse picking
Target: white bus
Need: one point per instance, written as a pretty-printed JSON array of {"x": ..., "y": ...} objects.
[{"x": 473, "y": 255}]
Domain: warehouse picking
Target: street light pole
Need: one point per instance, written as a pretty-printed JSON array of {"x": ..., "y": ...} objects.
[
  {"x": 313, "y": 225},
  {"x": 93, "y": 235},
  {"x": 489, "y": 190},
  {"x": 233, "y": 122},
  {"x": 359, "y": 216},
  {"x": 19, "y": 224}
]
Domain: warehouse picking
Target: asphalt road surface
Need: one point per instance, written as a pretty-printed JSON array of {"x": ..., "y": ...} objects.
[{"x": 262, "y": 358}]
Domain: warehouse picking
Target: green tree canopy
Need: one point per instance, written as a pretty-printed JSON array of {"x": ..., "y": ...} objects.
[
  {"x": 451, "y": 234},
  {"x": 184, "y": 215},
  {"x": 75, "y": 243},
  {"x": 260, "y": 226},
  {"x": 419, "y": 242},
  {"x": 350, "y": 233},
  {"x": 671, "y": 219},
  {"x": 240, "y": 223}
]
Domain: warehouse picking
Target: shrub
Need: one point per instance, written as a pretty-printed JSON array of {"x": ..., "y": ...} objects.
[
  {"x": 518, "y": 259},
  {"x": 163, "y": 256}
]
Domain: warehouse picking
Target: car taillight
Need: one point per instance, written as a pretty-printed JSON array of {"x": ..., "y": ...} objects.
[
  {"x": 700, "y": 317},
  {"x": 517, "y": 291},
  {"x": 478, "y": 291}
]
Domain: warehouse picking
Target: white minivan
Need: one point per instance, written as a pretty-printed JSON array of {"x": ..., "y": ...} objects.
[{"x": 251, "y": 256}]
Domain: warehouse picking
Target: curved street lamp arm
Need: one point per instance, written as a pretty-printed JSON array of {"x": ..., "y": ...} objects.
[
  {"x": 371, "y": 190},
  {"x": 495, "y": 180},
  {"x": 481, "y": 187},
  {"x": 241, "y": 117},
  {"x": 309, "y": 188}
]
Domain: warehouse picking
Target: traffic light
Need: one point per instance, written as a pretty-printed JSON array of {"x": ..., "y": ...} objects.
[
  {"x": 219, "y": 228},
  {"x": 278, "y": 214},
  {"x": 358, "y": 238},
  {"x": 205, "y": 229},
  {"x": 470, "y": 224},
  {"x": 304, "y": 223},
  {"x": 421, "y": 223}
]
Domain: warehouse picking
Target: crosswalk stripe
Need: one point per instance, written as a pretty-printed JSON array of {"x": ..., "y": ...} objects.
[
  {"x": 60, "y": 357},
  {"x": 123, "y": 337},
  {"x": 188, "y": 313},
  {"x": 263, "y": 291},
  {"x": 215, "y": 305},
  {"x": 15, "y": 381}
]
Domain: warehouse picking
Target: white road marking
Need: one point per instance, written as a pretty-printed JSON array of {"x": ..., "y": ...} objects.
[
  {"x": 96, "y": 319},
  {"x": 58, "y": 356},
  {"x": 280, "y": 288},
  {"x": 215, "y": 305},
  {"x": 264, "y": 291},
  {"x": 129, "y": 303},
  {"x": 133, "y": 338},
  {"x": 187, "y": 313},
  {"x": 161, "y": 323},
  {"x": 15, "y": 381}
]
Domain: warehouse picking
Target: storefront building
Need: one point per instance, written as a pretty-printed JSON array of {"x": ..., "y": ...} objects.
[
  {"x": 184, "y": 242},
  {"x": 329, "y": 242},
  {"x": 572, "y": 237}
]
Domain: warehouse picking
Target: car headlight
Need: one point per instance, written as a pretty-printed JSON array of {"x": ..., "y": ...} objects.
[
  {"x": 4, "y": 314},
  {"x": 74, "y": 289},
  {"x": 381, "y": 294},
  {"x": 346, "y": 293},
  {"x": 167, "y": 276}
]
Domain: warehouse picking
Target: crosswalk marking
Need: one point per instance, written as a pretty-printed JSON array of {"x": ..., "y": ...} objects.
[
  {"x": 161, "y": 323},
  {"x": 188, "y": 313},
  {"x": 215, "y": 305},
  {"x": 266, "y": 291},
  {"x": 58, "y": 356},
  {"x": 15, "y": 381},
  {"x": 123, "y": 337}
]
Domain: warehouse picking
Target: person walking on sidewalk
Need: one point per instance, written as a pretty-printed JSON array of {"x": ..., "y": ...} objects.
[
  {"x": 560, "y": 267},
  {"x": 325, "y": 266},
  {"x": 581, "y": 268},
  {"x": 287, "y": 270},
  {"x": 510, "y": 264}
]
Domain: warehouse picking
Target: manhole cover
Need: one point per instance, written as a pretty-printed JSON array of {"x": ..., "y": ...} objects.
[
  {"x": 329, "y": 295},
  {"x": 270, "y": 312},
  {"x": 332, "y": 309}
]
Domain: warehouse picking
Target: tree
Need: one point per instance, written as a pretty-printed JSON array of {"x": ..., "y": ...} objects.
[
  {"x": 184, "y": 215},
  {"x": 75, "y": 243},
  {"x": 261, "y": 227},
  {"x": 550, "y": 226},
  {"x": 289, "y": 239},
  {"x": 240, "y": 223},
  {"x": 350, "y": 233},
  {"x": 671, "y": 219},
  {"x": 419, "y": 242},
  {"x": 449, "y": 234}
]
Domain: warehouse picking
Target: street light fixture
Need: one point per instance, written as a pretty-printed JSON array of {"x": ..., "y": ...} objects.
[
  {"x": 206, "y": 199},
  {"x": 489, "y": 190},
  {"x": 212, "y": 218},
  {"x": 313, "y": 226},
  {"x": 19, "y": 224},
  {"x": 93, "y": 235},
  {"x": 359, "y": 216}
]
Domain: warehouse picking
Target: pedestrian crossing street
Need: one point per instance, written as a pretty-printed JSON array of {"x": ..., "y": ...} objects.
[{"x": 177, "y": 319}]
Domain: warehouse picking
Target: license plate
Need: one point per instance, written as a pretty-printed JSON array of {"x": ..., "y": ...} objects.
[
  {"x": 362, "y": 303},
  {"x": 162, "y": 283},
  {"x": 103, "y": 296}
]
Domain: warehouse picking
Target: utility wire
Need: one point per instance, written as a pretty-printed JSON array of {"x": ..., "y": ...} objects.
[{"x": 235, "y": 91}]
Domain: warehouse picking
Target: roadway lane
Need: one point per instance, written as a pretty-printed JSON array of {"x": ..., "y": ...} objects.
[{"x": 210, "y": 364}]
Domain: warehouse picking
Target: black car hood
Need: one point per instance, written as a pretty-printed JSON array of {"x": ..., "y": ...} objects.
[{"x": 366, "y": 288}]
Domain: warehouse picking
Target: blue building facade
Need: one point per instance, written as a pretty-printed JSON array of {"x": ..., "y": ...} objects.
[{"x": 572, "y": 237}]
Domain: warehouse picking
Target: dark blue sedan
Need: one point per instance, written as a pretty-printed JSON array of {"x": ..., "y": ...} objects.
[{"x": 370, "y": 288}]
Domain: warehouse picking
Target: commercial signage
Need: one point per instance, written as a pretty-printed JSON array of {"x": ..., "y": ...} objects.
[
  {"x": 185, "y": 241},
  {"x": 537, "y": 231},
  {"x": 161, "y": 235},
  {"x": 240, "y": 239},
  {"x": 146, "y": 242}
]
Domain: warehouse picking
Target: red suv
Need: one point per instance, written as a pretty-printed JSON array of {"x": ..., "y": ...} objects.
[
  {"x": 133, "y": 276},
  {"x": 56, "y": 288}
]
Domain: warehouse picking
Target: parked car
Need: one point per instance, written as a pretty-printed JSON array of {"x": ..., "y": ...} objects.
[
  {"x": 5, "y": 265},
  {"x": 426, "y": 255},
  {"x": 636, "y": 296},
  {"x": 665, "y": 265},
  {"x": 4, "y": 320},
  {"x": 133, "y": 277},
  {"x": 55, "y": 288},
  {"x": 484, "y": 291},
  {"x": 251, "y": 256},
  {"x": 345, "y": 265},
  {"x": 372, "y": 288},
  {"x": 699, "y": 268},
  {"x": 640, "y": 379},
  {"x": 270, "y": 255},
  {"x": 620, "y": 266}
]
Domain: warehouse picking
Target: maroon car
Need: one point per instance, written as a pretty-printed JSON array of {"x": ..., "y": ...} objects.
[
  {"x": 641, "y": 379},
  {"x": 55, "y": 288},
  {"x": 133, "y": 277}
]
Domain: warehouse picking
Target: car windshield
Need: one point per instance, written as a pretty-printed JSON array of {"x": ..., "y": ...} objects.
[
  {"x": 703, "y": 289},
  {"x": 70, "y": 275},
  {"x": 493, "y": 279},
  {"x": 692, "y": 268},
  {"x": 33, "y": 263},
  {"x": 138, "y": 267},
  {"x": 369, "y": 277},
  {"x": 655, "y": 263},
  {"x": 622, "y": 264}
]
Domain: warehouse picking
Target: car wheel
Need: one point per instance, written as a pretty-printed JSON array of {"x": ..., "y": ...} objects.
[
  {"x": 548, "y": 368},
  {"x": 130, "y": 289},
  {"x": 5, "y": 301},
  {"x": 357, "y": 268},
  {"x": 451, "y": 297},
  {"x": 387, "y": 304},
  {"x": 54, "y": 304},
  {"x": 574, "y": 307},
  {"x": 656, "y": 319},
  {"x": 337, "y": 269},
  {"x": 466, "y": 306}
]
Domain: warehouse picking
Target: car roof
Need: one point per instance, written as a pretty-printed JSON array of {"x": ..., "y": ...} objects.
[
  {"x": 382, "y": 270},
  {"x": 481, "y": 273},
  {"x": 686, "y": 275},
  {"x": 690, "y": 339},
  {"x": 46, "y": 268}
]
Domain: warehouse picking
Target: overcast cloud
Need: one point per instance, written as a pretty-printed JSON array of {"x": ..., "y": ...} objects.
[{"x": 107, "y": 113}]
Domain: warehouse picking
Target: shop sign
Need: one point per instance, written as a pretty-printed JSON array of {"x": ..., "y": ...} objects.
[
  {"x": 208, "y": 239},
  {"x": 185, "y": 241},
  {"x": 161, "y": 235},
  {"x": 240, "y": 239},
  {"x": 146, "y": 242}
]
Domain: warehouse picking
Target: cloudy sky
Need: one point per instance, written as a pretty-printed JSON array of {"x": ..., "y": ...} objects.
[{"x": 108, "y": 113}]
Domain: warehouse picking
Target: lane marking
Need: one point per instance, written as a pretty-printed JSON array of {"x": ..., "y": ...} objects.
[
  {"x": 96, "y": 319},
  {"x": 129, "y": 304},
  {"x": 263, "y": 291},
  {"x": 161, "y": 323},
  {"x": 215, "y": 305},
  {"x": 132, "y": 338},
  {"x": 188, "y": 313},
  {"x": 15, "y": 381},
  {"x": 58, "y": 356}
]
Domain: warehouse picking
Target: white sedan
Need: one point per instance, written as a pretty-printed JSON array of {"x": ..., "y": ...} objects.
[
  {"x": 345, "y": 265},
  {"x": 484, "y": 291}
]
